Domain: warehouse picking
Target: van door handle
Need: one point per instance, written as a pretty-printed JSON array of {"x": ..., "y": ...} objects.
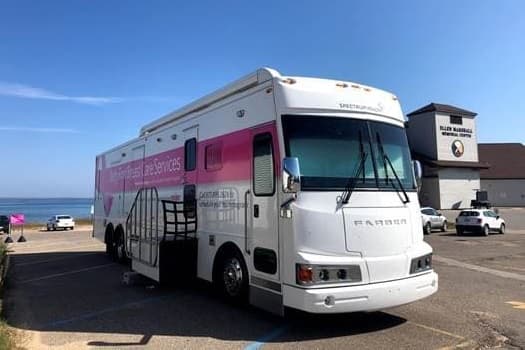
[{"x": 256, "y": 210}]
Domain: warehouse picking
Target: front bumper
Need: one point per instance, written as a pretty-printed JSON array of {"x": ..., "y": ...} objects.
[{"x": 369, "y": 297}]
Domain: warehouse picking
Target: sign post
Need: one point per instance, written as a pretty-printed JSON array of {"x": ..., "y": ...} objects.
[{"x": 17, "y": 220}]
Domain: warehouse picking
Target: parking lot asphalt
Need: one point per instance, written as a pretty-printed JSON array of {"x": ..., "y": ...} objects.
[{"x": 63, "y": 292}]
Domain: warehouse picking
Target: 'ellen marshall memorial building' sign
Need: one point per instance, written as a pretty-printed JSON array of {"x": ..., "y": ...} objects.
[{"x": 455, "y": 131}]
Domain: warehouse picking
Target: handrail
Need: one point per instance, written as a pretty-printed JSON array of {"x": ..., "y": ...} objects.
[{"x": 246, "y": 194}]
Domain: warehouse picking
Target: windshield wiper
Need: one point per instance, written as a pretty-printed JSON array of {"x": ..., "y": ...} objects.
[
  {"x": 360, "y": 168},
  {"x": 386, "y": 160}
]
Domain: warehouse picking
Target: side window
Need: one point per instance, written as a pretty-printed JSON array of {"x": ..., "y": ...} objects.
[
  {"x": 190, "y": 154},
  {"x": 487, "y": 214},
  {"x": 213, "y": 157},
  {"x": 263, "y": 166}
]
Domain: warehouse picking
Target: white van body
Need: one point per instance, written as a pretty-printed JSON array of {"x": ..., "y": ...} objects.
[{"x": 294, "y": 246}]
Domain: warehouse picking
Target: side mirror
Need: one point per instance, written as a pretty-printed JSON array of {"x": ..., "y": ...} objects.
[
  {"x": 497, "y": 217},
  {"x": 291, "y": 175},
  {"x": 418, "y": 173},
  {"x": 439, "y": 214}
]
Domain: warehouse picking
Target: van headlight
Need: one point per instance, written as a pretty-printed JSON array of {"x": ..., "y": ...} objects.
[
  {"x": 307, "y": 274},
  {"x": 420, "y": 264}
]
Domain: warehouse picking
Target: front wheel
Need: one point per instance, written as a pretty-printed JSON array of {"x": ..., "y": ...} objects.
[
  {"x": 502, "y": 229},
  {"x": 486, "y": 230},
  {"x": 459, "y": 231},
  {"x": 234, "y": 278},
  {"x": 444, "y": 227}
]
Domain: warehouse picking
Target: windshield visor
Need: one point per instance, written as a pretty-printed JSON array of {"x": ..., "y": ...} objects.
[{"x": 330, "y": 150}]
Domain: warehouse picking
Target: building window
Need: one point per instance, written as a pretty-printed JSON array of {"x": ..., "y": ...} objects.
[
  {"x": 456, "y": 119},
  {"x": 190, "y": 154},
  {"x": 213, "y": 157}
]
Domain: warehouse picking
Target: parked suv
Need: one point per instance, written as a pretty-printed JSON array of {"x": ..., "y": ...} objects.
[
  {"x": 479, "y": 220},
  {"x": 4, "y": 224},
  {"x": 60, "y": 221},
  {"x": 432, "y": 219}
]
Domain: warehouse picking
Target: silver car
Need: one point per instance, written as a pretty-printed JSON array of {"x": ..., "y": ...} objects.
[{"x": 431, "y": 219}]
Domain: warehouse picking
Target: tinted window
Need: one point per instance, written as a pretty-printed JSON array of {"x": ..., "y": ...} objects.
[
  {"x": 469, "y": 213},
  {"x": 190, "y": 154},
  {"x": 263, "y": 168},
  {"x": 63, "y": 217},
  {"x": 456, "y": 119},
  {"x": 427, "y": 211},
  {"x": 213, "y": 157}
]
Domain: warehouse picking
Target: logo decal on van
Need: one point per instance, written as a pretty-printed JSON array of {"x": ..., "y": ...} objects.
[{"x": 386, "y": 222}]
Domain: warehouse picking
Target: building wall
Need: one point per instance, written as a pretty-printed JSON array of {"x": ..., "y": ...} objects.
[
  {"x": 429, "y": 193},
  {"x": 447, "y": 134},
  {"x": 421, "y": 131},
  {"x": 505, "y": 193},
  {"x": 457, "y": 187}
]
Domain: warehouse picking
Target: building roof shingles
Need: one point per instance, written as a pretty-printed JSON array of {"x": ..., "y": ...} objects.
[
  {"x": 442, "y": 108},
  {"x": 507, "y": 160}
]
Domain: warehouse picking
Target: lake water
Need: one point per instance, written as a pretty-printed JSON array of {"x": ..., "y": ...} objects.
[{"x": 38, "y": 210}]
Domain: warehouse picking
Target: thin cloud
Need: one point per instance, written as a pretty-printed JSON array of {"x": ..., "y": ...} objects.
[
  {"x": 24, "y": 91},
  {"x": 42, "y": 130}
]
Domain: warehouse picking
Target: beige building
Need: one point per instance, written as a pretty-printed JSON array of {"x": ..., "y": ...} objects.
[{"x": 443, "y": 139}]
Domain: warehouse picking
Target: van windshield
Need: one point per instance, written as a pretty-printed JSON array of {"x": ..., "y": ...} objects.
[{"x": 329, "y": 152}]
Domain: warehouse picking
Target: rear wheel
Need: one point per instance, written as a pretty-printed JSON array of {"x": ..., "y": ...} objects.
[
  {"x": 428, "y": 228},
  {"x": 486, "y": 230},
  {"x": 120, "y": 248},
  {"x": 444, "y": 227},
  {"x": 502, "y": 229}
]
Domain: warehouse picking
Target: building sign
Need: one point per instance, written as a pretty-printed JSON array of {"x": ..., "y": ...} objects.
[
  {"x": 455, "y": 131},
  {"x": 458, "y": 148}
]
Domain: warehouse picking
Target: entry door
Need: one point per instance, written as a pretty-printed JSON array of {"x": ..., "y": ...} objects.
[{"x": 264, "y": 227}]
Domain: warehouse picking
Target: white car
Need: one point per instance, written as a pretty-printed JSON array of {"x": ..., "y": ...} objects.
[
  {"x": 479, "y": 220},
  {"x": 64, "y": 222},
  {"x": 432, "y": 219}
]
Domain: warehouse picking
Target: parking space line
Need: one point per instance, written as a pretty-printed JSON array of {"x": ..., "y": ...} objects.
[
  {"x": 52, "y": 260},
  {"x": 65, "y": 273},
  {"x": 478, "y": 268},
  {"x": 517, "y": 304},
  {"x": 93, "y": 314},
  {"x": 437, "y": 330}
]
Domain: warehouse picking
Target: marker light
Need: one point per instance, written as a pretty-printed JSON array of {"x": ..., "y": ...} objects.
[
  {"x": 341, "y": 85},
  {"x": 289, "y": 81}
]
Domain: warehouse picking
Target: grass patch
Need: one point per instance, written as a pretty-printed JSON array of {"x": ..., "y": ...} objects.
[{"x": 7, "y": 334}]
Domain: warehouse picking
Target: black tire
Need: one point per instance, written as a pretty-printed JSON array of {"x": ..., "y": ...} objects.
[
  {"x": 502, "y": 229},
  {"x": 109, "y": 243},
  {"x": 444, "y": 227},
  {"x": 47, "y": 228},
  {"x": 427, "y": 229},
  {"x": 54, "y": 228},
  {"x": 459, "y": 231},
  {"x": 232, "y": 277},
  {"x": 485, "y": 230},
  {"x": 72, "y": 228},
  {"x": 120, "y": 248}
]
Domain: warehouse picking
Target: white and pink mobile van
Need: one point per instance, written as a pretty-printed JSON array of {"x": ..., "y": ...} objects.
[{"x": 284, "y": 191}]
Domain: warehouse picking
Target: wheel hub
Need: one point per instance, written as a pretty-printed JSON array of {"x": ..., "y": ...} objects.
[{"x": 232, "y": 276}]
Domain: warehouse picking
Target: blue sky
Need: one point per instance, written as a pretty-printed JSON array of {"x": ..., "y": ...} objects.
[{"x": 78, "y": 77}]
